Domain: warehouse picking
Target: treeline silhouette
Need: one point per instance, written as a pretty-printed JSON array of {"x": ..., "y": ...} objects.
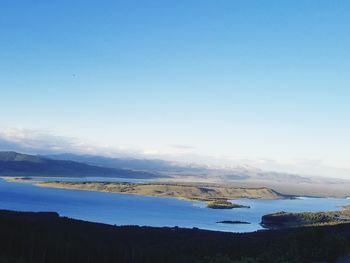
[{"x": 27, "y": 237}]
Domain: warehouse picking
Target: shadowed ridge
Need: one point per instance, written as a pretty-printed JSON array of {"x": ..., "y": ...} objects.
[
  {"x": 17, "y": 164},
  {"x": 10, "y": 156}
]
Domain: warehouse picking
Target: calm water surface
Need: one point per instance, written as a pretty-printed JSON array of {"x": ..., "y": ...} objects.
[{"x": 151, "y": 211}]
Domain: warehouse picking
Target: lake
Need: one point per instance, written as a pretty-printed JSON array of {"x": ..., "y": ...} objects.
[{"x": 150, "y": 211}]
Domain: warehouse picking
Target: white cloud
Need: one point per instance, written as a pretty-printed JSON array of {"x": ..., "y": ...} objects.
[
  {"x": 183, "y": 147},
  {"x": 37, "y": 140},
  {"x": 45, "y": 142}
]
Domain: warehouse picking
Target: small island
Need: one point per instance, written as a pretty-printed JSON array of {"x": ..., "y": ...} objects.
[
  {"x": 224, "y": 204},
  {"x": 232, "y": 222}
]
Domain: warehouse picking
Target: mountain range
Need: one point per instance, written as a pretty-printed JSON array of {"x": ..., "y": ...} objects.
[
  {"x": 13, "y": 163},
  {"x": 75, "y": 165},
  {"x": 68, "y": 164},
  {"x": 174, "y": 169}
]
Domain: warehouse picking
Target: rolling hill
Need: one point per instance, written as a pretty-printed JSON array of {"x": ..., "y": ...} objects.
[{"x": 13, "y": 163}]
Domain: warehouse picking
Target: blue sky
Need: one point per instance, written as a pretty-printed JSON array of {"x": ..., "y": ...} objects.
[{"x": 232, "y": 80}]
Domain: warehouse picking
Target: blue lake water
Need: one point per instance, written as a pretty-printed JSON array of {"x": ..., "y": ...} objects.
[
  {"x": 91, "y": 179},
  {"x": 150, "y": 211}
]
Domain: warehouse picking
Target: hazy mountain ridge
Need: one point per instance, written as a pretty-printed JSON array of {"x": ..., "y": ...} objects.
[
  {"x": 242, "y": 172},
  {"x": 126, "y": 163},
  {"x": 12, "y": 163},
  {"x": 155, "y": 165},
  {"x": 19, "y": 157},
  {"x": 238, "y": 176},
  {"x": 71, "y": 165}
]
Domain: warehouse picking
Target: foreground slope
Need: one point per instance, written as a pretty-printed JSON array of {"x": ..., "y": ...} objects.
[{"x": 46, "y": 237}]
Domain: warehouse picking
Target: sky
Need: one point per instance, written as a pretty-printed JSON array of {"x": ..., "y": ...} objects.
[{"x": 225, "y": 82}]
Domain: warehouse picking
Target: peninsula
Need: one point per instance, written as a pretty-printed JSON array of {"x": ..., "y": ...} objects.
[{"x": 197, "y": 192}]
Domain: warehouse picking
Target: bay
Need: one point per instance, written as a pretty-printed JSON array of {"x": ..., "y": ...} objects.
[{"x": 119, "y": 209}]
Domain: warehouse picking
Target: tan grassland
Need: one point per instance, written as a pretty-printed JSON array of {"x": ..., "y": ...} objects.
[{"x": 199, "y": 192}]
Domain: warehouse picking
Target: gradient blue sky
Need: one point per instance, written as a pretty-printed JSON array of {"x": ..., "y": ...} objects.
[{"x": 228, "y": 79}]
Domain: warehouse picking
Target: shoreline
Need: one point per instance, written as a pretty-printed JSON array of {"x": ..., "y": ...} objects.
[
  {"x": 180, "y": 191},
  {"x": 214, "y": 202},
  {"x": 287, "y": 193},
  {"x": 194, "y": 192}
]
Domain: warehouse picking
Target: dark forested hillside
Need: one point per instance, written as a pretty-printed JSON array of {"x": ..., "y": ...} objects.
[
  {"x": 12, "y": 163},
  {"x": 46, "y": 237}
]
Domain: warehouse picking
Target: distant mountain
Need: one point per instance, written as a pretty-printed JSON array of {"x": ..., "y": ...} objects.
[
  {"x": 240, "y": 173},
  {"x": 13, "y": 163},
  {"x": 152, "y": 165}
]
